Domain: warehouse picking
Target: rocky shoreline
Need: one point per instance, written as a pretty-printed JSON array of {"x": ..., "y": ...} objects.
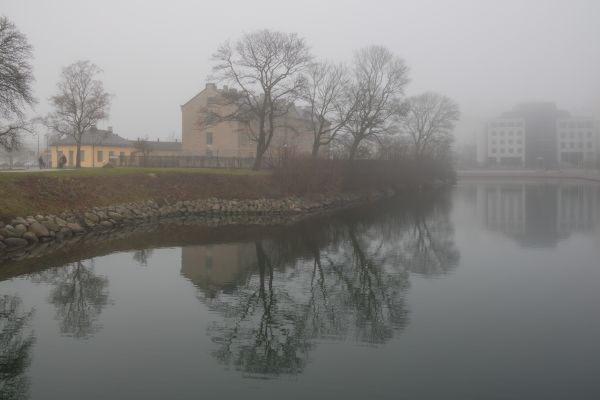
[{"x": 32, "y": 236}]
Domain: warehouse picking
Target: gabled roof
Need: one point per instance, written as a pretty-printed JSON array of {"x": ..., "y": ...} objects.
[{"x": 95, "y": 137}]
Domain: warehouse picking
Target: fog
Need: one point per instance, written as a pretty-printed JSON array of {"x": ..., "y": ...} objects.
[{"x": 487, "y": 55}]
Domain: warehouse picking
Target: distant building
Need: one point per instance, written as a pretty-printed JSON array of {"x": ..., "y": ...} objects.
[
  {"x": 231, "y": 138},
  {"x": 99, "y": 147},
  {"x": 538, "y": 135}
]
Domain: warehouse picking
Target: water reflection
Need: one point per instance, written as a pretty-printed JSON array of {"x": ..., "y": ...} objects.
[
  {"x": 15, "y": 347},
  {"x": 79, "y": 296},
  {"x": 343, "y": 278},
  {"x": 537, "y": 214}
]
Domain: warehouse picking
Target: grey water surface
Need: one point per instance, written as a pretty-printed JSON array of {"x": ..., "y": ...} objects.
[{"x": 490, "y": 290}]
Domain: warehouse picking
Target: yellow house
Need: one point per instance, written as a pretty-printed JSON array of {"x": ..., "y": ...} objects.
[{"x": 98, "y": 147}]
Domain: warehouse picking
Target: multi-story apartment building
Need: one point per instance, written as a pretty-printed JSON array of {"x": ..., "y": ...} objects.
[
  {"x": 538, "y": 135},
  {"x": 232, "y": 138},
  {"x": 577, "y": 141}
]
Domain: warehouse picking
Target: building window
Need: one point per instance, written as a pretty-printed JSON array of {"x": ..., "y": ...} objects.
[
  {"x": 493, "y": 133},
  {"x": 511, "y": 150},
  {"x": 562, "y": 145},
  {"x": 502, "y": 133},
  {"x": 580, "y": 145},
  {"x": 571, "y": 135},
  {"x": 209, "y": 138},
  {"x": 502, "y": 142},
  {"x": 81, "y": 155},
  {"x": 510, "y": 141},
  {"x": 494, "y": 150},
  {"x": 100, "y": 155},
  {"x": 589, "y": 145},
  {"x": 563, "y": 124},
  {"x": 519, "y": 150},
  {"x": 563, "y": 135},
  {"x": 501, "y": 150},
  {"x": 519, "y": 141},
  {"x": 111, "y": 155},
  {"x": 510, "y": 133},
  {"x": 493, "y": 142},
  {"x": 589, "y": 135}
]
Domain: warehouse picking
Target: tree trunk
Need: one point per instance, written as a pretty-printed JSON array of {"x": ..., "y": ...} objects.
[
  {"x": 78, "y": 155},
  {"x": 315, "y": 149},
  {"x": 353, "y": 150}
]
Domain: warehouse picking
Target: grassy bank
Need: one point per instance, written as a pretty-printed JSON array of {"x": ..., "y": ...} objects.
[{"x": 28, "y": 193}]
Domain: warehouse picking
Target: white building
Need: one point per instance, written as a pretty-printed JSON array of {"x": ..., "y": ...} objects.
[
  {"x": 539, "y": 135},
  {"x": 577, "y": 141}
]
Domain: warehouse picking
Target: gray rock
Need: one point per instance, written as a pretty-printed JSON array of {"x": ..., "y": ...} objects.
[
  {"x": 106, "y": 224},
  {"x": 51, "y": 226},
  {"x": 19, "y": 220},
  {"x": 2, "y": 245},
  {"x": 60, "y": 222},
  {"x": 9, "y": 232},
  {"x": 92, "y": 217},
  {"x": 75, "y": 227},
  {"x": 21, "y": 228},
  {"x": 39, "y": 229},
  {"x": 30, "y": 237},
  {"x": 15, "y": 243}
]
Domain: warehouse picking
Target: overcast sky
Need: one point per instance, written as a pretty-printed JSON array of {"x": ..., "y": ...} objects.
[{"x": 488, "y": 55}]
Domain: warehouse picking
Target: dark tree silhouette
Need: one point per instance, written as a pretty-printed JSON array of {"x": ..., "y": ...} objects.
[
  {"x": 15, "y": 346},
  {"x": 79, "y": 296}
]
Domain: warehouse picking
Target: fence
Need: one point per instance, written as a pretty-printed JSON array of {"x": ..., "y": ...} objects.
[{"x": 153, "y": 161}]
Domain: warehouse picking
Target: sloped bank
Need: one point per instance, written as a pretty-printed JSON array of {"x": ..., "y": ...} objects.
[{"x": 32, "y": 236}]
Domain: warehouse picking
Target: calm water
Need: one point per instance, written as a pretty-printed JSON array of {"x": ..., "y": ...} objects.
[{"x": 489, "y": 291}]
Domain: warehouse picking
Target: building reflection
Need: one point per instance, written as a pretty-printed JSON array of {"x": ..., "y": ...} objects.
[
  {"x": 218, "y": 267},
  {"x": 345, "y": 278},
  {"x": 538, "y": 214}
]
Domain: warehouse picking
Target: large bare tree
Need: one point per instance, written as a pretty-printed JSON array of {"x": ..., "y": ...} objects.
[
  {"x": 16, "y": 78},
  {"x": 379, "y": 78},
  {"x": 265, "y": 67},
  {"x": 428, "y": 123},
  {"x": 325, "y": 93},
  {"x": 80, "y": 103}
]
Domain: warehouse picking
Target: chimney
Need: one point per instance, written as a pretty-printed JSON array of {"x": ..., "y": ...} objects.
[
  {"x": 158, "y": 139},
  {"x": 94, "y": 127},
  {"x": 225, "y": 88},
  {"x": 211, "y": 86},
  {"x": 109, "y": 129}
]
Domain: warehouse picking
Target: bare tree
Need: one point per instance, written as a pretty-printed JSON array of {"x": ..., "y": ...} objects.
[
  {"x": 80, "y": 102},
  {"x": 325, "y": 93},
  {"x": 428, "y": 123},
  {"x": 142, "y": 147},
  {"x": 265, "y": 67},
  {"x": 16, "y": 78},
  {"x": 375, "y": 94}
]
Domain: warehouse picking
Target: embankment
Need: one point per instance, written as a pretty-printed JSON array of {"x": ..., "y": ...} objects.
[{"x": 40, "y": 208}]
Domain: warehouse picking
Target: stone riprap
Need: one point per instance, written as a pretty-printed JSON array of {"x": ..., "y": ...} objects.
[{"x": 35, "y": 235}]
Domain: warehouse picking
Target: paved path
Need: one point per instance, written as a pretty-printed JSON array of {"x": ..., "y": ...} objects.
[{"x": 9, "y": 171}]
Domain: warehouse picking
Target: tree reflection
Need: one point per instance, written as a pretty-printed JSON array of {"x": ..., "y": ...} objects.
[
  {"x": 142, "y": 256},
  {"x": 343, "y": 279},
  {"x": 79, "y": 296},
  {"x": 428, "y": 247},
  {"x": 15, "y": 346}
]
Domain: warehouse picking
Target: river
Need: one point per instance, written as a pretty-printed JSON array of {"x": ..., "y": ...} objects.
[{"x": 487, "y": 291}]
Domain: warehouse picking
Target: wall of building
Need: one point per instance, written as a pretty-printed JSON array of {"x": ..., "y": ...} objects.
[
  {"x": 88, "y": 161},
  {"x": 231, "y": 139}
]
